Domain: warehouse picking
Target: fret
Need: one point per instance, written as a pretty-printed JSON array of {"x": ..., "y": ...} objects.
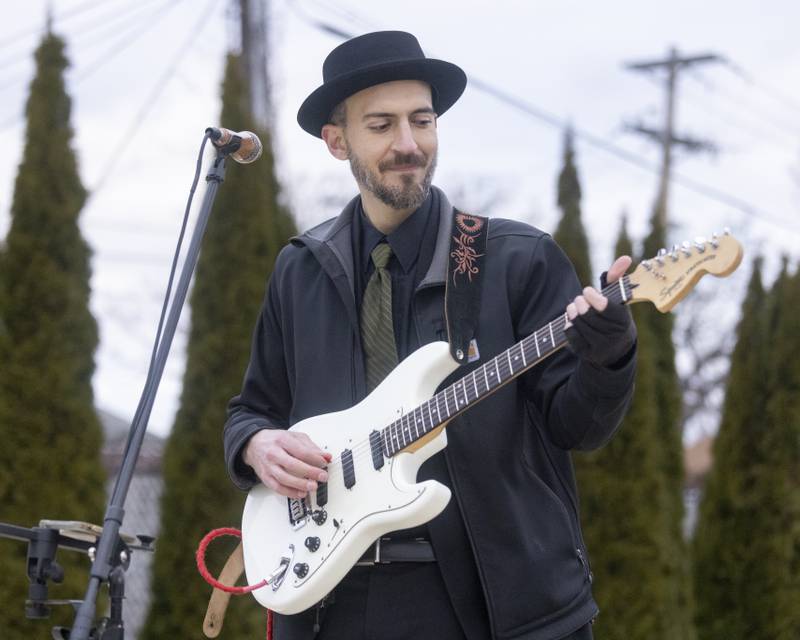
[
  {"x": 497, "y": 368},
  {"x": 464, "y": 389},
  {"x": 446, "y": 407},
  {"x": 552, "y": 339},
  {"x": 485, "y": 377},
  {"x": 475, "y": 384},
  {"x": 385, "y": 436},
  {"x": 430, "y": 416},
  {"x": 536, "y": 342},
  {"x": 438, "y": 413},
  {"x": 510, "y": 366},
  {"x": 397, "y": 435},
  {"x": 420, "y": 421},
  {"x": 622, "y": 290},
  {"x": 522, "y": 351}
]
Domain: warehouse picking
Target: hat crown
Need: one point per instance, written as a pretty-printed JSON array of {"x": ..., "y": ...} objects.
[{"x": 368, "y": 50}]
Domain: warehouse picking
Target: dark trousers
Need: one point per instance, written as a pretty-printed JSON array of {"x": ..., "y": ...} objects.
[{"x": 396, "y": 601}]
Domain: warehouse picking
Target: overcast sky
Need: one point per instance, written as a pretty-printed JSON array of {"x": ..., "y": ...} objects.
[{"x": 152, "y": 69}]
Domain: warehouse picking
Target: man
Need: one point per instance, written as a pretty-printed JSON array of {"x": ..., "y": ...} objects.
[{"x": 505, "y": 559}]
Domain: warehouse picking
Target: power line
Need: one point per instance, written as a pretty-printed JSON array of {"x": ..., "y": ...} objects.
[
  {"x": 150, "y": 100},
  {"x": 773, "y": 93},
  {"x": 736, "y": 103},
  {"x": 28, "y": 31},
  {"x": 122, "y": 44},
  {"x": 755, "y": 128},
  {"x": 152, "y": 20},
  {"x": 107, "y": 23},
  {"x": 556, "y": 121}
]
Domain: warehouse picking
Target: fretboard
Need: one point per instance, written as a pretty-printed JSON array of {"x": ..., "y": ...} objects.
[{"x": 483, "y": 380}]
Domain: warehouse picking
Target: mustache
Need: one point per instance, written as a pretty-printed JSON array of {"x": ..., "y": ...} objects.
[{"x": 404, "y": 160}]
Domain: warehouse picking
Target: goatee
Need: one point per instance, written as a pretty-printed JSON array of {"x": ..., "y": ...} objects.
[{"x": 410, "y": 194}]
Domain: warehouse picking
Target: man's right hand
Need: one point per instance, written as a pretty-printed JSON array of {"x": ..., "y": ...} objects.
[{"x": 289, "y": 463}]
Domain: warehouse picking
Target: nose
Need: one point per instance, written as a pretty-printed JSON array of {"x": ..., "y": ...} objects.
[{"x": 404, "y": 141}]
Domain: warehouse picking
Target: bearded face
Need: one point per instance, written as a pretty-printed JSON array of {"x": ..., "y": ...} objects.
[{"x": 398, "y": 181}]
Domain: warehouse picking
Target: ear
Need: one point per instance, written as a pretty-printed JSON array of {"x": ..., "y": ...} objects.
[{"x": 333, "y": 135}]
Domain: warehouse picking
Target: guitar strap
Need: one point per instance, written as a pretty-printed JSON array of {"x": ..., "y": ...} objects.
[{"x": 462, "y": 296}]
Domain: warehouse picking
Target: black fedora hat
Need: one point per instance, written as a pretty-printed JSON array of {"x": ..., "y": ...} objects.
[{"x": 375, "y": 58}]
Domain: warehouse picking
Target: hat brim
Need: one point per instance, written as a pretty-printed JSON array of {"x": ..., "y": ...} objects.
[{"x": 447, "y": 80}]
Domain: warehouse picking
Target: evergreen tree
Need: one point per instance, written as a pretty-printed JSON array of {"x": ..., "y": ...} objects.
[
  {"x": 747, "y": 545},
  {"x": 621, "y": 489},
  {"x": 570, "y": 234},
  {"x": 51, "y": 437},
  {"x": 246, "y": 231},
  {"x": 655, "y": 332},
  {"x": 728, "y": 509}
]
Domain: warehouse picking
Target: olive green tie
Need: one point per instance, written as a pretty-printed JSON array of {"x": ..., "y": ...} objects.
[{"x": 377, "y": 328}]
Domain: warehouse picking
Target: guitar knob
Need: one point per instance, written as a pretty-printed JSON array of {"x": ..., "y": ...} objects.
[
  {"x": 319, "y": 516},
  {"x": 312, "y": 543},
  {"x": 300, "y": 569}
]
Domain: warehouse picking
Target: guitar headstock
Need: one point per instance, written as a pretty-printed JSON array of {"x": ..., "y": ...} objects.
[{"x": 666, "y": 278}]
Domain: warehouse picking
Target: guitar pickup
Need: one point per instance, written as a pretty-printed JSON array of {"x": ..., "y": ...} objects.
[
  {"x": 348, "y": 470},
  {"x": 376, "y": 447}
]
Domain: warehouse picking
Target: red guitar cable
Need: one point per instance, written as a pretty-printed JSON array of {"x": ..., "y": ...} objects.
[{"x": 200, "y": 557}]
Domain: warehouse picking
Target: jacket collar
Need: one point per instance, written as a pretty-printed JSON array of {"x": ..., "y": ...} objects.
[{"x": 331, "y": 243}]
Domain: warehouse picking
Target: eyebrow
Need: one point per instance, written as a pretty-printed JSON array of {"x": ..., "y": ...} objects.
[{"x": 379, "y": 114}]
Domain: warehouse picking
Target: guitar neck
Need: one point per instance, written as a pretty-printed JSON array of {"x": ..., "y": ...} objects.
[{"x": 484, "y": 380}]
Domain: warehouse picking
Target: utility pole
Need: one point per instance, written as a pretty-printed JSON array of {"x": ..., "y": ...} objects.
[
  {"x": 666, "y": 136},
  {"x": 255, "y": 46}
]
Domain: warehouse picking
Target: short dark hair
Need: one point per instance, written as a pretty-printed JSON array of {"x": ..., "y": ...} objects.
[{"x": 339, "y": 114}]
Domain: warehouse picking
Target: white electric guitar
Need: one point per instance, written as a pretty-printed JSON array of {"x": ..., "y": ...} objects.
[{"x": 302, "y": 548}]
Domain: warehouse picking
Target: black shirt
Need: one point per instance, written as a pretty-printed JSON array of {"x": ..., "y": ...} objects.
[{"x": 412, "y": 243}]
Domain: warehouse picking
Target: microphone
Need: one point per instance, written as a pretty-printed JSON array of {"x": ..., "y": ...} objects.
[{"x": 243, "y": 146}]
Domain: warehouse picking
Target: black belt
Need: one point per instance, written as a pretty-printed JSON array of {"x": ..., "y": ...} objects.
[{"x": 386, "y": 550}]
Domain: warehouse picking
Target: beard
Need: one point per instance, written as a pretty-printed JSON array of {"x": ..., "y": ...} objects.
[{"x": 410, "y": 194}]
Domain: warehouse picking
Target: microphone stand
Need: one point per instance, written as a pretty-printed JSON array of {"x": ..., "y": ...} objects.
[{"x": 111, "y": 558}]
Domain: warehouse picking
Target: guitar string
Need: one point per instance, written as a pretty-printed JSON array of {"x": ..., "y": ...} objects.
[{"x": 497, "y": 363}]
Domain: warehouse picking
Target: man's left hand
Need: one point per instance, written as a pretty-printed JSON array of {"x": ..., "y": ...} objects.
[{"x": 597, "y": 331}]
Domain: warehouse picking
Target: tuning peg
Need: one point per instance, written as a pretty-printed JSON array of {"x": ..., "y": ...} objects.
[
  {"x": 646, "y": 264},
  {"x": 686, "y": 247},
  {"x": 674, "y": 252},
  {"x": 700, "y": 243},
  {"x": 714, "y": 242},
  {"x": 660, "y": 256}
]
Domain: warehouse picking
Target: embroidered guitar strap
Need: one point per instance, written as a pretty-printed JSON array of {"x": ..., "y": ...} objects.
[{"x": 462, "y": 296}]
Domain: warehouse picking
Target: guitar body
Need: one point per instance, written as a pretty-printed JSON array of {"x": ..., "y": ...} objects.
[{"x": 381, "y": 500}]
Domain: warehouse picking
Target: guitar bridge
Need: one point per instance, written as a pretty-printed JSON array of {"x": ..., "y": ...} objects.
[{"x": 299, "y": 512}]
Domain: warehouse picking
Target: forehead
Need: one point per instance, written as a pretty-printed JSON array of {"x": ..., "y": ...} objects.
[{"x": 399, "y": 96}]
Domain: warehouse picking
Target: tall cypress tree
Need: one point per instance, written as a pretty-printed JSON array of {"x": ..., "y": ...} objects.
[
  {"x": 621, "y": 488},
  {"x": 570, "y": 234},
  {"x": 246, "y": 230},
  {"x": 729, "y": 509},
  {"x": 51, "y": 437},
  {"x": 747, "y": 546},
  {"x": 655, "y": 333},
  {"x": 776, "y": 548}
]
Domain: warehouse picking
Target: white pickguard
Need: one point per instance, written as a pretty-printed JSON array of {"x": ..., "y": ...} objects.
[{"x": 380, "y": 501}]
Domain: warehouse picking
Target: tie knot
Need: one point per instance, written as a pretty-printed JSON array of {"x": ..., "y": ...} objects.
[{"x": 380, "y": 255}]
